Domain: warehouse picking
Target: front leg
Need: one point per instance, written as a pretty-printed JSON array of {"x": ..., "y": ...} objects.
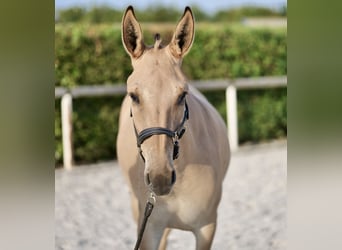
[
  {"x": 153, "y": 231},
  {"x": 152, "y": 237},
  {"x": 205, "y": 236}
]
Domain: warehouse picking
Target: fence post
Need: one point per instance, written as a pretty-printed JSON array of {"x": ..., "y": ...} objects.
[
  {"x": 232, "y": 118},
  {"x": 66, "y": 112}
]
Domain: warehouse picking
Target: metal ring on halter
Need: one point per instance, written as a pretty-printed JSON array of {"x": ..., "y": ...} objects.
[{"x": 152, "y": 198}]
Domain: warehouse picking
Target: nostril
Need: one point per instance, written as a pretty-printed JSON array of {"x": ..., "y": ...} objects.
[{"x": 173, "y": 177}]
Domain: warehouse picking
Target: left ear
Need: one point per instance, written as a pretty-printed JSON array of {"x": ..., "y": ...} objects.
[{"x": 184, "y": 35}]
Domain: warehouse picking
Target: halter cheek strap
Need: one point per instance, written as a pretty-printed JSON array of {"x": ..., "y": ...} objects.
[{"x": 174, "y": 135}]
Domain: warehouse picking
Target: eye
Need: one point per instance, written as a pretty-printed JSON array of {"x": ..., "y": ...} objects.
[
  {"x": 134, "y": 98},
  {"x": 181, "y": 98}
]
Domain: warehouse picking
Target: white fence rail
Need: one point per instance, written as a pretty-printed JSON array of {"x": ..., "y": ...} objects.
[{"x": 231, "y": 87}]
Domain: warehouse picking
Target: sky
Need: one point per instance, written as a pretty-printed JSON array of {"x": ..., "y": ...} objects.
[{"x": 206, "y": 5}]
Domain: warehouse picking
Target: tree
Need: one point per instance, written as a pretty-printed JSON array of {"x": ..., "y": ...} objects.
[{"x": 74, "y": 14}]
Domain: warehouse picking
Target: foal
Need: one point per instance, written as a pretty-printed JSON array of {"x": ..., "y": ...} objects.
[{"x": 171, "y": 141}]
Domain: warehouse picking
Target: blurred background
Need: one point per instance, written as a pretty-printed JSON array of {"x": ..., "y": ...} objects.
[
  {"x": 27, "y": 57},
  {"x": 234, "y": 39}
]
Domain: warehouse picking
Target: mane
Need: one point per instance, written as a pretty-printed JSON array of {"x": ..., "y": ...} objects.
[{"x": 157, "y": 41}]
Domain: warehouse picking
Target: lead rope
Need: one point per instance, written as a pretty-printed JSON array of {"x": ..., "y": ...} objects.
[{"x": 148, "y": 210}]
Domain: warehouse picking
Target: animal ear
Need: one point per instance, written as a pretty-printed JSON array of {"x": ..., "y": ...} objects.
[
  {"x": 184, "y": 35},
  {"x": 132, "y": 37}
]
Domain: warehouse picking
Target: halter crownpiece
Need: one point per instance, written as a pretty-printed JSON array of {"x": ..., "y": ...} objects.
[{"x": 174, "y": 135}]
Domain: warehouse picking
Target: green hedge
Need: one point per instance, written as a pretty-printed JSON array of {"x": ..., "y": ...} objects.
[{"x": 92, "y": 55}]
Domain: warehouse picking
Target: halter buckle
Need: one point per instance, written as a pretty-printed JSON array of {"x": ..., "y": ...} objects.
[{"x": 175, "y": 150}]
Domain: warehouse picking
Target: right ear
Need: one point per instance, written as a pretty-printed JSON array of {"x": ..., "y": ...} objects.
[{"x": 132, "y": 37}]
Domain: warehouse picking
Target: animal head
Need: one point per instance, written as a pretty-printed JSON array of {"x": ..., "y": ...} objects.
[{"x": 157, "y": 89}]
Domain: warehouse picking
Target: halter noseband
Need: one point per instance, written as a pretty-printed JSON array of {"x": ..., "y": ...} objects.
[{"x": 174, "y": 135}]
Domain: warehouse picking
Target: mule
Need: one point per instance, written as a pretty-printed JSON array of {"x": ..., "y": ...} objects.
[{"x": 185, "y": 170}]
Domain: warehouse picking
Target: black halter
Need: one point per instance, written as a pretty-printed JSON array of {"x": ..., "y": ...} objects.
[{"x": 174, "y": 135}]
